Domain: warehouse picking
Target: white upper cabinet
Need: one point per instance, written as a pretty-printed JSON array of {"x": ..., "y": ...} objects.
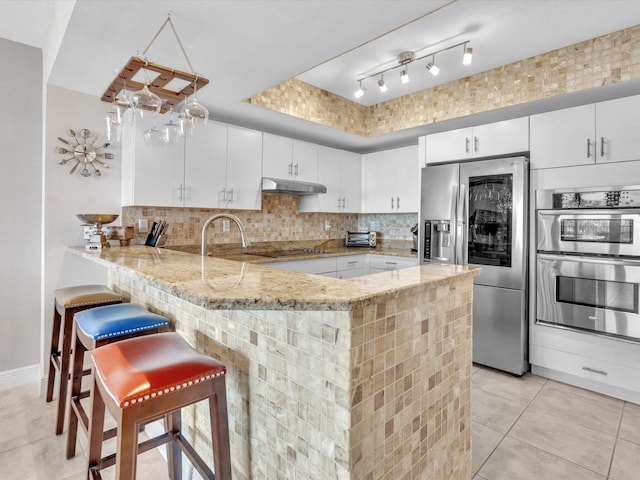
[
  {"x": 509, "y": 136},
  {"x": 595, "y": 133},
  {"x": 563, "y": 137},
  {"x": 218, "y": 167},
  {"x": 205, "y": 167},
  {"x": 284, "y": 157},
  {"x": 617, "y": 130},
  {"x": 244, "y": 169},
  {"x": 151, "y": 176},
  {"x": 340, "y": 172},
  {"x": 391, "y": 181}
]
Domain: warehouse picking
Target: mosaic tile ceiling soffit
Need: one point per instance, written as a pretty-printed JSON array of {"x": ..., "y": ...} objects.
[{"x": 608, "y": 59}]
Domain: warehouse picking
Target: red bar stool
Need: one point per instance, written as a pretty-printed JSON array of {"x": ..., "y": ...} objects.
[
  {"x": 69, "y": 301},
  {"x": 144, "y": 378},
  {"x": 96, "y": 327}
]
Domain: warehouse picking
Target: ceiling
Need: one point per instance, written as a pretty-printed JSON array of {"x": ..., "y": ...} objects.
[{"x": 247, "y": 46}]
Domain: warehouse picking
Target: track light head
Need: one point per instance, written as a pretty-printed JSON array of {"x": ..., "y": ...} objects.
[
  {"x": 433, "y": 68},
  {"x": 468, "y": 55},
  {"x": 360, "y": 91},
  {"x": 381, "y": 84},
  {"x": 404, "y": 75}
]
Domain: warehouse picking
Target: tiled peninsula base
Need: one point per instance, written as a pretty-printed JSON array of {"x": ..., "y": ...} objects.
[{"x": 381, "y": 391}]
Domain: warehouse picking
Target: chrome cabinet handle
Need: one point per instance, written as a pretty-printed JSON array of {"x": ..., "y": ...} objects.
[
  {"x": 390, "y": 263},
  {"x": 593, "y": 370},
  {"x": 222, "y": 196},
  {"x": 344, "y": 202},
  {"x": 180, "y": 193},
  {"x": 602, "y": 146},
  {"x": 476, "y": 144},
  {"x": 588, "y": 148},
  {"x": 352, "y": 262},
  {"x": 291, "y": 169},
  {"x": 467, "y": 144},
  {"x": 230, "y": 199},
  {"x": 295, "y": 170},
  {"x": 398, "y": 203},
  {"x": 338, "y": 202},
  {"x": 391, "y": 203}
]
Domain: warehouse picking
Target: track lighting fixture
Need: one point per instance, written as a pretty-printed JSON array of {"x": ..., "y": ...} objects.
[
  {"x": 381, "y": 84},
  {"x": 432, "y": 67},
  {"x": 403, "y": 61}
]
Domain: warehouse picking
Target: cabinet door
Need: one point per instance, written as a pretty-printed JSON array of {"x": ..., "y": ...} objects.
[
  {"x": 351, "y": 182},
  {"x": 407, "y": 179},
  {"x": 380, "y": 183},
  {"x": 563, "y": 137},
  {"x": 244, "y": 169},
  {"x": 158, "y": 172},
  {"x": 447, "y": 146},
  {"x": 617, "y": 127},
  {"x": 305, "y": 161},
  {"x": 498, "y": 138},
  {"x": 277, "y": 156},
  {"x": 205, "y": 166},
  {"x": 329, "y": 160}
]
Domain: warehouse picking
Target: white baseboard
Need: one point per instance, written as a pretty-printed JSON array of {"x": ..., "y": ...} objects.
[{"x": 19, "y": 376}]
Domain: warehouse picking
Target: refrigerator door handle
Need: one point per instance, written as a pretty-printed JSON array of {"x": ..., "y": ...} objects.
[{"x": 461, "y": 231}]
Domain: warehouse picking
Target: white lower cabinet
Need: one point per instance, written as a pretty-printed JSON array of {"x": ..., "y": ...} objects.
[
  {"x": 347, "y": 266},
  {"x": 351, "y": 266},
  {"x": 602, "y": 364},
  {"x": 591, "y": 370},
  {"x": 382, "y": 263}
]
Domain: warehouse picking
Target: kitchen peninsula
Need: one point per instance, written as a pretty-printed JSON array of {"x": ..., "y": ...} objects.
[{"x": 344, "y": 379}]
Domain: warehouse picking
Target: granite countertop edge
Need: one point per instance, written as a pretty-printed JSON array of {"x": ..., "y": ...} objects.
[{"x": 222, "y": 283}]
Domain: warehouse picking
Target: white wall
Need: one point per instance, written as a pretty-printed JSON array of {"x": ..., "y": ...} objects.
[
  {"x": 68, "y": 194},
  {"x": 21, "y": 200}
]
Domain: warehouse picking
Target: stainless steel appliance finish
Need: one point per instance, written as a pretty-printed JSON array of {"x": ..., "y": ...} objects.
[
  {"x": 588, "y": 260},
  {"x": 291, "y": 187},
  {"x": 597, "y": 294},
  {"x": 360, "y": 239},
  {"x": 474, "y": 213}
]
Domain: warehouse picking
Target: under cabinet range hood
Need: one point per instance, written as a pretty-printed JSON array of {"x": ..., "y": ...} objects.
[{"x": 291, "y": 187}]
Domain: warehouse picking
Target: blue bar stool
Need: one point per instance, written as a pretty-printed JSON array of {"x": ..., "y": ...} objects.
[
  {"x": 94, "y": 328},
  {"x": 69, "y": 301}
]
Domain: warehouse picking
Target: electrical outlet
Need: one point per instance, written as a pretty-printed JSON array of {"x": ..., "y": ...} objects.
[
  {"x": 327, "y": 225},
  {"x": 225, "y": 225},
  {"x": 143, "y": 225},
  {"x": 374, "y": 225}
]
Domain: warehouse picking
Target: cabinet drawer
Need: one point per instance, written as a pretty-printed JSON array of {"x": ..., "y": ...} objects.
[
  {"x": 592, "y": 369},
  {"x": 350, "y": 262},
  {"x": 386, "y": 262},
  {"x": 315, "y": 265}
]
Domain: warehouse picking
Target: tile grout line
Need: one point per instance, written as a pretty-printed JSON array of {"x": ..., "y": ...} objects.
[{"x": 615, "y": 443}]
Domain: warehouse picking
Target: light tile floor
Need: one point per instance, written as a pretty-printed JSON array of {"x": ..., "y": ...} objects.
[{"x": 525, "y": 428}]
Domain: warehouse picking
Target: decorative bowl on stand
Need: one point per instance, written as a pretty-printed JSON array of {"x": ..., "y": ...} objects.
[{"x": 96, "y": 238}]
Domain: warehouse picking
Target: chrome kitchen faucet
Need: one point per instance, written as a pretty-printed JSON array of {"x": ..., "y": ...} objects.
[{"x": 237, "y": 221}]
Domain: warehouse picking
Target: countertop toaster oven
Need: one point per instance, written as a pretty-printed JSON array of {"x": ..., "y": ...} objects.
[{"x": 360, "y": 239}]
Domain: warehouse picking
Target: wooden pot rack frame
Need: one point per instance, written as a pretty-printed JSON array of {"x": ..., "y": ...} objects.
[{"x": 165, "y": 75}]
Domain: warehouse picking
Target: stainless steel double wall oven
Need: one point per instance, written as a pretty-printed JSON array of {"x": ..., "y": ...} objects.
[{"x": 588, "y": 260}]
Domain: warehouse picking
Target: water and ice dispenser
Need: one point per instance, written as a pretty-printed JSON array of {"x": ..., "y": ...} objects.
[{"x": 437, "y": 241}]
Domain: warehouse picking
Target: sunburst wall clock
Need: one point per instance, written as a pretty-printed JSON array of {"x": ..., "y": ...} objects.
[{"x": 84, "y": 151}]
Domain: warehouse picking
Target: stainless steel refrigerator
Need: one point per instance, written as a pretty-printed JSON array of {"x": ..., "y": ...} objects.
[{"x": 475, "y": 213}]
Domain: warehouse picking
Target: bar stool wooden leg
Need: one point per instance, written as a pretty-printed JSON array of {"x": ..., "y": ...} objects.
[
  {"x": 173, "y": 422},
  {"x": 127, "y": 446},
  {"x": 96, "y": 424},
  {"x": 53, "y": 351},
  {"x": 220, "y": 430},
  {"x": 65, "y": 362}
]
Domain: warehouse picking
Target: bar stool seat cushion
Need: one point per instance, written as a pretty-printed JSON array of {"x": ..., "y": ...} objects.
[
  {"x": 77, "y": 296},
  {"x": 141, "y": 368},
  {"x": 117, "y": 320}
]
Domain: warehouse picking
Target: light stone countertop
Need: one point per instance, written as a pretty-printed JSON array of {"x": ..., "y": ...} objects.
[{"x": 243, "y": 284}]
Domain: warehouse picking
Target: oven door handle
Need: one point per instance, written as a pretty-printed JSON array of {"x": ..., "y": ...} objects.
[{"x": 589, "y": 259}]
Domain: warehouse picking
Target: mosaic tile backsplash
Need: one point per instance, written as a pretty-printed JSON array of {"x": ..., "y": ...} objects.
[
  {"x": 611, "y": 58},
  {"x": 279, "y": 220}
]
